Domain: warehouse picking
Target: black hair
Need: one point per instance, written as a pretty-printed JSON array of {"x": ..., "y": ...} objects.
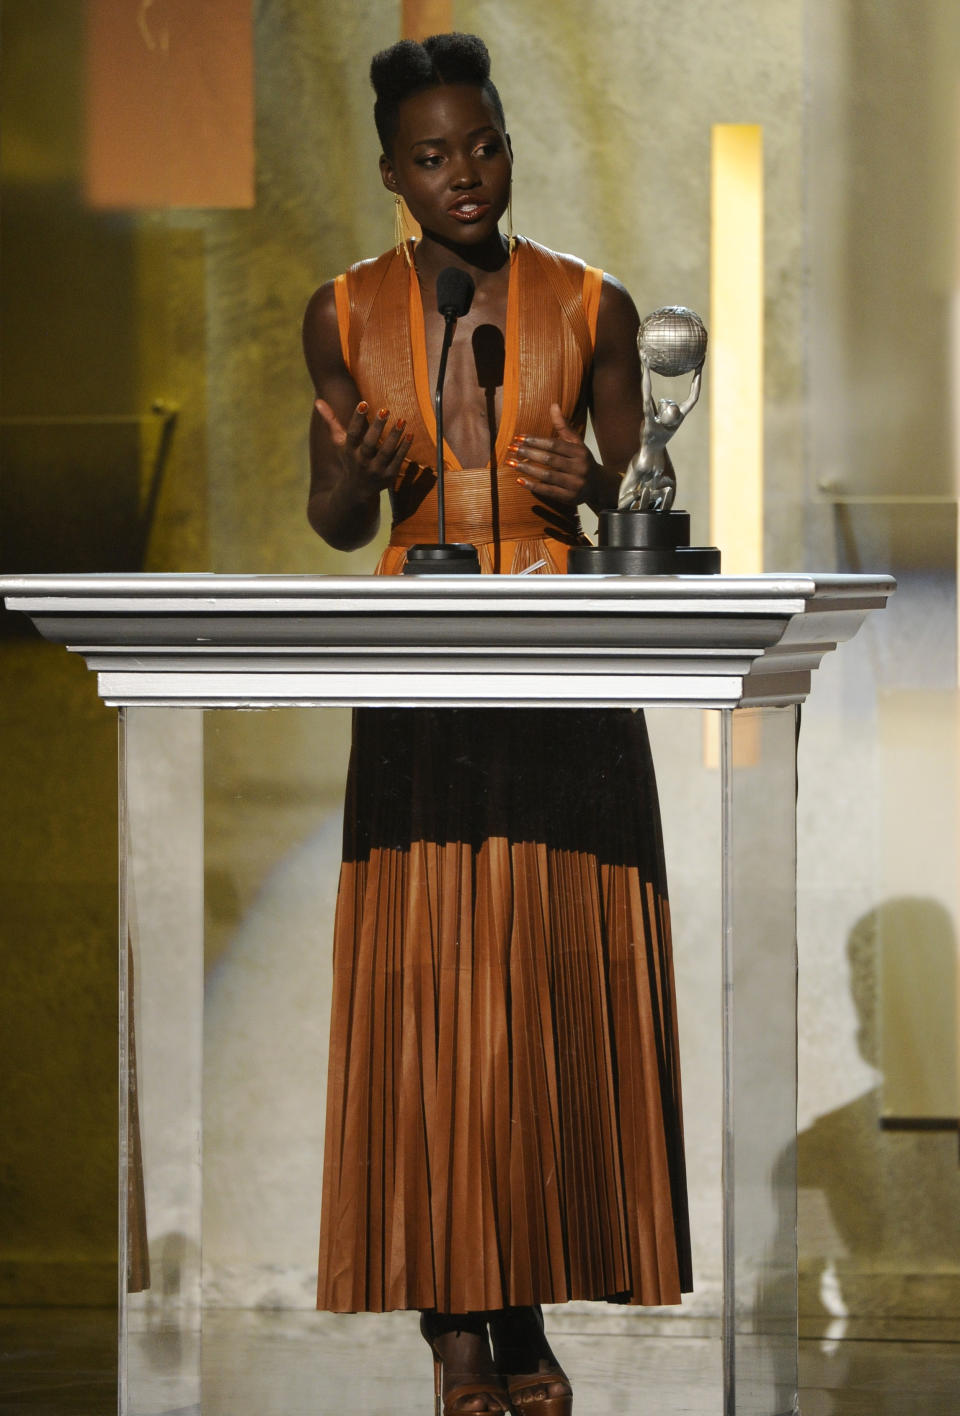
[{"x": 411, "y": 66}]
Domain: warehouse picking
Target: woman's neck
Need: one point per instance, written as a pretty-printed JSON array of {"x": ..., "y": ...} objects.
[{"x": 433, "y": 254}]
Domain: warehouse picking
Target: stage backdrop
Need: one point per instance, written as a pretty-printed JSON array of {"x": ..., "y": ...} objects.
[{"x": 154, "y": 416}]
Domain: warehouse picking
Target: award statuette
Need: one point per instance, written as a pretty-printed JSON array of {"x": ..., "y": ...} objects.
[{"x": 644, "y": 535}]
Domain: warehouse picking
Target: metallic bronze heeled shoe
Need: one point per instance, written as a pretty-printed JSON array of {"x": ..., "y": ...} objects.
[
  {"x": 538, "y": 1403},
  {"x": 525, "y": 1389},
  {"x": 450, "y": 1405}
]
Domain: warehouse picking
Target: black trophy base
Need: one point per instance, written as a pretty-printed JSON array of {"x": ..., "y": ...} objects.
[
  {"x": 451, "y": 558},
  {"x": 644, "y": 543}
]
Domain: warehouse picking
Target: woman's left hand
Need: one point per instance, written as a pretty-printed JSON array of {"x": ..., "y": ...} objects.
[{"x": 560, "y": 468}]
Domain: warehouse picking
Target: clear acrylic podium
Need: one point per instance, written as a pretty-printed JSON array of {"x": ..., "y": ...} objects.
[{"x": 188, "y": 643}]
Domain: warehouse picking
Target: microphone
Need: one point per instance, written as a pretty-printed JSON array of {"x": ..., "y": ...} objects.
[
  {"x": 454, "y": 292},
  {"x": 454, "y": 297}
]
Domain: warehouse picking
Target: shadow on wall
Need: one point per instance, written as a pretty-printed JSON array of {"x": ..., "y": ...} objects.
[{"x": 880, "y": 1209}]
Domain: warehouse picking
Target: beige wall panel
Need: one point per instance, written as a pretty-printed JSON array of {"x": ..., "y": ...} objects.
[
  {"x": 881, "y": 182},
  {"x": 917, "y": 951}
]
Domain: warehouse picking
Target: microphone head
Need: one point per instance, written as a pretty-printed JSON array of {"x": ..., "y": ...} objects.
[{"x": 454, "y": 292}]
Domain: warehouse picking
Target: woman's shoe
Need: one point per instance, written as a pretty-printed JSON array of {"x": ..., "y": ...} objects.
[
  {"x": 518, "y": 1335},
  {"x": 452, "y": 1403},
  {"x": 528, "y": 1397}
]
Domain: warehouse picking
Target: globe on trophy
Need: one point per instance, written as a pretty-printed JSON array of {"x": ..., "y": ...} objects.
[
  {"x": 673, "y": 341},
  {"x": 645, "y": 535}
]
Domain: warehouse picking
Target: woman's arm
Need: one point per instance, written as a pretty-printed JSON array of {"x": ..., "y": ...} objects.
[
  {"x": 351, "y": 461},
  {"x": 616, "y": 393}
]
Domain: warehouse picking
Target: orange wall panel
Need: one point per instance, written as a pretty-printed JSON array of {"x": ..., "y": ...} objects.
[{"x": 169, "y": 103}]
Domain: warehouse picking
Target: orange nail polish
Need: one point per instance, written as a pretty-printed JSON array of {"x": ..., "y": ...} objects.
[
  {"x": 401, "y": 424},
  {"x": 383, "y": 413},
  {"x": 522, "y": 483},
  {"x": 512, "y": 462},
  {"x": 362, "y": 407}
]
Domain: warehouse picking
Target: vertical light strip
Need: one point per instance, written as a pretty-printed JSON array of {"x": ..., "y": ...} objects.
[
  {"x": 736, "y": 378},
  {"x": 736, "y": 346}
]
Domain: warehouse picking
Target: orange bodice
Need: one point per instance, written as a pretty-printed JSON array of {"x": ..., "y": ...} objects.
[{"x": 552, "y": 308}]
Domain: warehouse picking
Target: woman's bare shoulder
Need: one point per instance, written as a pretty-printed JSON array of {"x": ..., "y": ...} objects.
[
  {"x": 321, "y": 333},
  {"x": 321, "y": 307},
  {"x": 618, "y": 320}
]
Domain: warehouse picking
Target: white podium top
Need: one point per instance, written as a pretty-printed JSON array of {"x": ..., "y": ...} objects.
[{"x": 238, "y": 641}]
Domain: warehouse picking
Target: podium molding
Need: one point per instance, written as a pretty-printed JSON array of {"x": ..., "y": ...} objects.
[{"x": 230, "y": 641}]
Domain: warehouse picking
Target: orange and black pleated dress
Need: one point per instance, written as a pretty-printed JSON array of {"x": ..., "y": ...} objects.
[{"x": 503, "y": 1105}]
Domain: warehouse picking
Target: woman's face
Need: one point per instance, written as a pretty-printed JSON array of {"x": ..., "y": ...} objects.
[{"x": 451, "y": 163}]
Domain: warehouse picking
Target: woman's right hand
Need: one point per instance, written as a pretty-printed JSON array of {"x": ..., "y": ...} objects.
[
  {"x": 353, "y": 457},
  {"x": 370, "y": 459}
]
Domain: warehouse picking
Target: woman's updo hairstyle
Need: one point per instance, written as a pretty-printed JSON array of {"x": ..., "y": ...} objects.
[{"x": 412, "y": 66}]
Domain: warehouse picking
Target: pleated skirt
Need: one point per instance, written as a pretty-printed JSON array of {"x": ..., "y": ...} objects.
[{"x": 503, "y": 1110}]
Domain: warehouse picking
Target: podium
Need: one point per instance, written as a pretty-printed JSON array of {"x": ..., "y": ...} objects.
[{"x": 731, "y": 644}]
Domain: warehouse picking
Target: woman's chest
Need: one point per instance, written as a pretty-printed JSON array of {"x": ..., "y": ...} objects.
[{"x": 474, "y": 379}]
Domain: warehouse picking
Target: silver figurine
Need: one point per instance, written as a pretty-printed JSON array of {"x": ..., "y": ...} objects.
[{"x": 670, "y": 341}]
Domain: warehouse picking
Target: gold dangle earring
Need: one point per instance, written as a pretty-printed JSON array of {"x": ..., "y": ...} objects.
[
  {"x": 401, "y": 240},
  {"x": 511, "y": 238}
]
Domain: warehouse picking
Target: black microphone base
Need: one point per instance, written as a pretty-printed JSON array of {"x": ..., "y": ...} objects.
[{"x": 451, "y": 558}]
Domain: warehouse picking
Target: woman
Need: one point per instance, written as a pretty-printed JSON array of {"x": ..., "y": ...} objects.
[{"x": 503, "y": 1111}]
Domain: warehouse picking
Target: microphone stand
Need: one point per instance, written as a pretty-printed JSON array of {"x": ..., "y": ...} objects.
[
  {"x": 446, "y": 557},
  {"x": 449, "y": 329}
]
